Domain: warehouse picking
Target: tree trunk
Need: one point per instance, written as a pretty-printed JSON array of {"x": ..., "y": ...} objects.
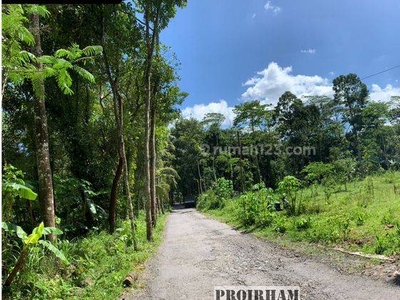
[
  {"x": 128, "y": 194},
  {"x": 114, "y": 195},
  {"x": 153, "y": 158},
  {"x": 18, "y": 265},
  {"x": 200, "y": 178},
  {"x": 119, "y": 118},
  {"x": 46, "y": 196},
  {"x": 149, "y": 188}
]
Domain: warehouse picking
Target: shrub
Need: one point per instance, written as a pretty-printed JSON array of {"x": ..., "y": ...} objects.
[
  {"x": 303, "y": 223},
  {"x": 288, "y": 188},
  {"x": 256, "y": 207},
  {"x": 215, "y": 198}
]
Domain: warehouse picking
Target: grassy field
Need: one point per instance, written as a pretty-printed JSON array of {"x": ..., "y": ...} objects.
[
  {"x": 98, "y": 266},
  {"x": 364, "y": 217}
]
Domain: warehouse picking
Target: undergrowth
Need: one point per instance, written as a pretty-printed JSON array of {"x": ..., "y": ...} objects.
[
  {"x": 361, "y": 216},
  {"x": 98, "y": 265}
]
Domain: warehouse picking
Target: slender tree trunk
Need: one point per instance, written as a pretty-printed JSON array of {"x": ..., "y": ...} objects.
[
  {"x": 114, "y": 195},
  {"x": 153, "y": 159},
  {"x": 18, "y": 265},
  {"x": 128, "y": 196},
  {"x": 149, "y": 188},
  {"x": 155, "y": 207},
  {"x": 160, "y": 203},
  {"x": 46, "y": 196},
  {"x": 148, "y": 204},
  {"x": 256, "y": 160},
  {"x": 119, "y": 118},
  {"x": 200, "y": 178}
]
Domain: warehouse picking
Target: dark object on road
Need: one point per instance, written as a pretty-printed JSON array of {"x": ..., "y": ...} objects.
[
  {"x": 190, "y": 201},
  {"x": 190, "y": 204}
]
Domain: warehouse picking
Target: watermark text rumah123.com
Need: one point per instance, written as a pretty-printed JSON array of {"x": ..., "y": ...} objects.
[{"x": 260, "y": 149}]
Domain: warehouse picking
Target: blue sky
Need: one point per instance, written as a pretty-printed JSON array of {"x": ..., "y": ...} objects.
[{"x": 239, "y": 50}]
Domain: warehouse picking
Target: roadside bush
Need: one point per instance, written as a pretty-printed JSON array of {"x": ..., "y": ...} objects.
[
  {"x": 214, "y": 198},
  {"x": 388, "y": 244},
  {"x": 256, "y": 207},
  {"x": 324, "y": 230},
  {"x": 303, "y": 223},
  {"x": 288, "y": 188},
  {"x": 209, "y": 200},
  {"x": 280, "y": 224}
]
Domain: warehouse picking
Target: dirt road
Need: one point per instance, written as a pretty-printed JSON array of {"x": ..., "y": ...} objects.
[{"x": 199, "y": 253}]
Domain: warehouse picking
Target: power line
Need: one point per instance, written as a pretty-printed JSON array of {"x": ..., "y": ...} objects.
[{"x": 372, "y": 75}]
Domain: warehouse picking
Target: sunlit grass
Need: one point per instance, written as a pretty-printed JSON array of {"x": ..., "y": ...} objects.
[{"x": 365, "y": 217}]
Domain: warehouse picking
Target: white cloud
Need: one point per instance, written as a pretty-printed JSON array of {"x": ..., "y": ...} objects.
[
  {"x": 200, "y": 110},
  {"x": 275, "y": 9},
  {"x": 308, "y": 51},
  {"x": 272, "y": 82},
  {"x": 383, "y": 94}
]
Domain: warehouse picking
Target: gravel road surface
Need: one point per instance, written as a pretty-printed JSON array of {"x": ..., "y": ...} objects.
[{"x": 199, "y": 253}]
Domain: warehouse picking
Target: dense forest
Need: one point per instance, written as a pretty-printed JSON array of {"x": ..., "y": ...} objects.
[
  {"x": 350, "y": 135},
  {"x": 93, "y": 141},
  {"x": 88, "y": 94}
]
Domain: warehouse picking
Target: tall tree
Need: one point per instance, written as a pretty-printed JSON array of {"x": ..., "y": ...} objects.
[
  {"x": 46, "y": 194},
  {"x": 157, "y": 14},
  {"x": 37, "y": 67},
  {"x": 351, "y": 95},
  {"x": 253, "y": 116},
  {"x": 119, "y": 49}
]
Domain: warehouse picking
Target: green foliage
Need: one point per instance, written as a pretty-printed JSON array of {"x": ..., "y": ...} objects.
[
  {"x": 303, "y": 223},
  {"x": 15, "y": 35},
  {"x": 78, "y": 201},
  {"x": 317, "y": 171},
  {"x": 30, "y": 242},
  {"x": 98, "y": 265},
  {"x": 288, "y": 188},
  {"x": 21, "y": 64},
  {"x": 223, "y": 188},
  {"x": 215, "y": 198},
  {"x": 14, "y": 187},
  {"x": 256, "y": 207},
  {"x": 344, "y": 220}
]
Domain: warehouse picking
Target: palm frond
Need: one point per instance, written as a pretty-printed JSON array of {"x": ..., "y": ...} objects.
[
  {"x": 92, "y": 50},
  {"x": 84, "y": 73}
]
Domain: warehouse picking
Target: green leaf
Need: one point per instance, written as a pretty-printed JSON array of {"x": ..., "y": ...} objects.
[
  {"x": 47, "y": 59},
  {"x": 38, "y": 9},
  {"x": 14, "y": 229},
  {"x": 23, "y": 191},
  {"x": 51, "y": 230},
  {"x": 63, "y": 53},
  {"x": 92, "y": 50},
  {"x": 84, "y": 73},
  {"x": 36, "y": 234},
  {"x": 56, "y": 251},
  {"x": 26, "y": 56},
  {"x": 64, "y": 81}
]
